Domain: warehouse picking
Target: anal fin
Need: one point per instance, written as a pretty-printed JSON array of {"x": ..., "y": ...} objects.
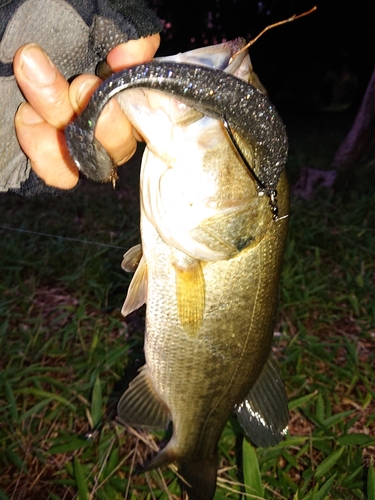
[
  {"x": 140, "y": 405},
  {"x": 264, "y": 414},
  {"x": 190, "y": 288}
]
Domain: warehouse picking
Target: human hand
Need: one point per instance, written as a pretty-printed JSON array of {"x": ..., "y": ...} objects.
[{"x": 52, "y": 103}]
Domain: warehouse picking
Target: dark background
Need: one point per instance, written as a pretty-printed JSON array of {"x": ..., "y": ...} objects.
[{"x": 301, "y": 63}]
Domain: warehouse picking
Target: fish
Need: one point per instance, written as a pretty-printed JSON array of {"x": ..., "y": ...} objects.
[{"x": 214, "y": 220}]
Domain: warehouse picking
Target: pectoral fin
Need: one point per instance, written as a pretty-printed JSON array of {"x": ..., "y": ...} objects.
[
  {"x": 132, "y": 258},
  {"x": 140, "y": 405},
  {"x": 137, "y": 292},
  {"x": 190, "y": 289},
  {"x": 264, "y": 413}
]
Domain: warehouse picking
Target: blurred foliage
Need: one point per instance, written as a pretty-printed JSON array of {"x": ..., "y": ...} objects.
[{"x": 315, "y": 59}]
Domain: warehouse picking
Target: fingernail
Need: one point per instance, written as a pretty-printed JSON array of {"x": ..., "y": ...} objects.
[
  {"x": 28, "y": 114},
  {"x": 37, "y": 66},
  {"x": 85, "y": 89}
]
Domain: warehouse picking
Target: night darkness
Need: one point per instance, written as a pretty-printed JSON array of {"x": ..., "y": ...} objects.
[{"x": 295, "y": 61}]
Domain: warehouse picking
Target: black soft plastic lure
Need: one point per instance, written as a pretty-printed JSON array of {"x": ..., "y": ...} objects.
[{"x": 212, "y": 92}]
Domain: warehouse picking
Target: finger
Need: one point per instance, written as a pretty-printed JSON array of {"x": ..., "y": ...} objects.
[
  {"x": 43, "y": 85},
  {"x": 46, "y": 148},
  {"x": 113, "y": 131},
  {"x": 126, "y": 55},
  {"x": 133, "y": 52}
]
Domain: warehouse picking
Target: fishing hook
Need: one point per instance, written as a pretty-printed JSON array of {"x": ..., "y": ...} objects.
[{"x": 262, "y": 188}]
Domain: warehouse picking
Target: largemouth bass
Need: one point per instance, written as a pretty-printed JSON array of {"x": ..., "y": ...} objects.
[{"x": 213, "y": 232}]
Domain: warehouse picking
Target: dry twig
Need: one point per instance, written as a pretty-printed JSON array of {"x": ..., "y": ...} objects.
[{"x": 290, "y": 19}]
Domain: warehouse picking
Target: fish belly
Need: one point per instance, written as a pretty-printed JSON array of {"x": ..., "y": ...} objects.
[{"x": 201, "y": 378}]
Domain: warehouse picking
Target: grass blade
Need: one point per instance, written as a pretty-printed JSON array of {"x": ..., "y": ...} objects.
[
  {"x": 16, "y": 460},
  {"x": 81, "y": 482},
  {"x": 13, "y": 412},
  {"x": 34, "y": 410},
  {"x": 356, "y": 440},
  {"x": 3, "y": 496},
  {"x": 48, "y": 395},
  {"x": 371, "y": 483},
  {"x": 324, "y": 490},
  {"x": 328, "y": 463},
  {"x": 301, "y": 401},
  {"x": 251, "y": 472},
  {"x": 96, "y": 403},
  {"x": 75, "y": 443}
]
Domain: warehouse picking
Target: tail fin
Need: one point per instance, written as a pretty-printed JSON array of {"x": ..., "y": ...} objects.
[
  {"x": 199, "y": 479},
  {"x": 164, "y": 457}
]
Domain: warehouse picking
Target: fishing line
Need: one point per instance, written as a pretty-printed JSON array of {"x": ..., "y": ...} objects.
[
  {"x": 260, "y": 183},
  {"x": 271, "y": 193},
  {"x": 67, "y": 238}
]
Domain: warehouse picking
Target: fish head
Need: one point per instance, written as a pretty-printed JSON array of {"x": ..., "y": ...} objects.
[{"x": 195, "y": 189}]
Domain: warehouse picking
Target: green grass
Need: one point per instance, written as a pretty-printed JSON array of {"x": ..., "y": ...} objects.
[{"x": 67, "y": 352}]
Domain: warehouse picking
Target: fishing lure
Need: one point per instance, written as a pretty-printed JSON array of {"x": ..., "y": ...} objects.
[
  {"x": 262, "y": 188},
  {"x": 209, "y": 91}
]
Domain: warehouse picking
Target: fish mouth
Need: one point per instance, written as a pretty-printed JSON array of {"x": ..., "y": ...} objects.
[{"x": 219, "y": 57}]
